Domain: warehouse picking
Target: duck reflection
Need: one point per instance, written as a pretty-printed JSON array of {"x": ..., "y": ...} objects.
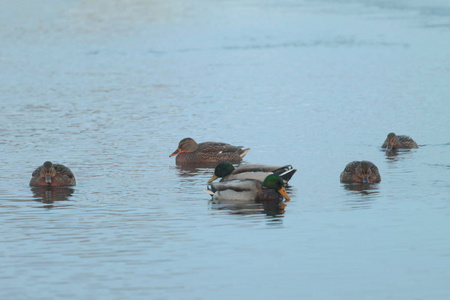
[
  {"x": 269, "y": 208},
  {"x": 363, "y": 188},
  {"x": 366, "y": 194},
  {"x": 194, "y": 170},
  {"x": 396, "y": 155},
  {"x": 51, "y": 194}
]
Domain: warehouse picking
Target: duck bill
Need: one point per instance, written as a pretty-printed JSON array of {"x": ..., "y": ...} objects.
[
  {"x": 176, "y": 152},
  {"x": 283, "y": 193},
  {"x": 366, "y": 179},
  {"x": 48, "y": 179},
  {"x": 214, "y": 177}
]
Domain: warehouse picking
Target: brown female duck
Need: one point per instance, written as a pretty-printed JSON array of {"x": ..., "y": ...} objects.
[
  {"x": 189, "y": 152},
  {"x": 394, "y": 142},
  {"x": 360, "y": 172},
  {"x": 50, "y": 174}
]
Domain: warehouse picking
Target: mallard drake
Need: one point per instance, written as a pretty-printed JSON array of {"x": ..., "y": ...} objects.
[
  {"x": 394, "y": 142},
  {"x": 361, "y": 172},
  {"x": 226, "y": 171},
  {"x": 50, "y": 174},
  {"x": 270, "y": 189},
  {"x": 189, "y": 152}
]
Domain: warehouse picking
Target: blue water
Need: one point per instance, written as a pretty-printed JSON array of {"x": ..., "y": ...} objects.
[{"x": 109, "y": 88}]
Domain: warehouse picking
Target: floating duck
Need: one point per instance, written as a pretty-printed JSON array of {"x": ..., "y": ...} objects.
[
  {"x": 272, "y": 188},
  {"x": 361, "y": 172},
  {"x": 50, "y": 174},
  {"x": 226, "y": 171},
  {"x": 394, "y": 142},
  {"x": 189, "y": 152}
]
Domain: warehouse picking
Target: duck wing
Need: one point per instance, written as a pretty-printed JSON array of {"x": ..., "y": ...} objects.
[
  {"x": 260, "y": 176},
  {"x": 376, "y": 177},
  {"x": 218, "y": 147},
  {"x": 286, "y": 172},
  {"x": 349, "y": 171},
  {"x": 407, "y": 142},
  {"x": 37, "y": 172},
  {"x": 63, "y": 170},
  {"x": 236, "y": 190}
]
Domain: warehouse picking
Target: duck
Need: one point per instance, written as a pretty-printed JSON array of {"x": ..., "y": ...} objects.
[
  {"x": 191, "y": 152},
  {"x": 360, "y": 172},
  {"x": 394, "y": 142},
  {"x": 50, "y": 174},
  {"x": 270, "y": 189},
  {"x": 227, "y": 172}
]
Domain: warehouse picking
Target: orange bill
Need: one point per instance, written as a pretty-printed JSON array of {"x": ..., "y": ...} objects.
[
  {"x": 283, "y": 193},
  {"x": 214, "y": 177},
  {"x": 178, "y": 151}
]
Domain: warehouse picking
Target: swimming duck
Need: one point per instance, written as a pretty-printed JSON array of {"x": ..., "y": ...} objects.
[
  {"x": 226, "y": 171},
  {"x": 270, "y": 189},
  {"x": 50, "y": 174},
  {"x": 189, "y": 152},
  {"x": 394, "y": 142},
  {"x": 361, "y": 172}
]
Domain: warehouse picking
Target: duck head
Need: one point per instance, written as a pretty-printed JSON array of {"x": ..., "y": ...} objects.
[
  {"x": 48, "y": 172},
  {"x": 391, "y": 142},
  {"x": 364, "y": 172},
  {"x": 275, "y": 182},
  {"x": 222, "y": 169},
  {"x": 185, "y": 145}
]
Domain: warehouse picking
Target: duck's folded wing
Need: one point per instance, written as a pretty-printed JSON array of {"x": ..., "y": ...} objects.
[
  {"x": 219, "y": 147},
  {"x": 236, "y": 185},
  {"x": 260, "y": 176},
  {"x": 262, "y": 168},
  {"x": 37, "y": 172},
  {"x": 286, "y": 172},
  {"x": 254, "y": 168},
  {"x": 63, "y": 170},
  {"x": 407, "y": 142},
  {"x": 236, "y": 190}
]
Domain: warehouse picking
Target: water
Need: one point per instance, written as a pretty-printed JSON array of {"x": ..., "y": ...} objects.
[{"x": 108, "y": 88}]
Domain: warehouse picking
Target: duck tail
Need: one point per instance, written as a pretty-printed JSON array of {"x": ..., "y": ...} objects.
[
  {"x": 209, "y": 192},
  {"x": 244, "y": 152},
  {"x": 285, "y": 172}
]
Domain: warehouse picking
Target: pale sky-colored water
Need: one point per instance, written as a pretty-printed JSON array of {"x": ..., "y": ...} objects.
[{"x": 108, "y": 88}]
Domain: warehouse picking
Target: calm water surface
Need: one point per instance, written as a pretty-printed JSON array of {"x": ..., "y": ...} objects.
[{"x": 108, "y": 88}]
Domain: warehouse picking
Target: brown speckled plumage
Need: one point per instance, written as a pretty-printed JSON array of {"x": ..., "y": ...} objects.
[
  {"x": 189, "y": 152},
  {"x": 360, "y": 171},
  {"x": 60, "y": 175},
  {"x": 394, "y": 142}
]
